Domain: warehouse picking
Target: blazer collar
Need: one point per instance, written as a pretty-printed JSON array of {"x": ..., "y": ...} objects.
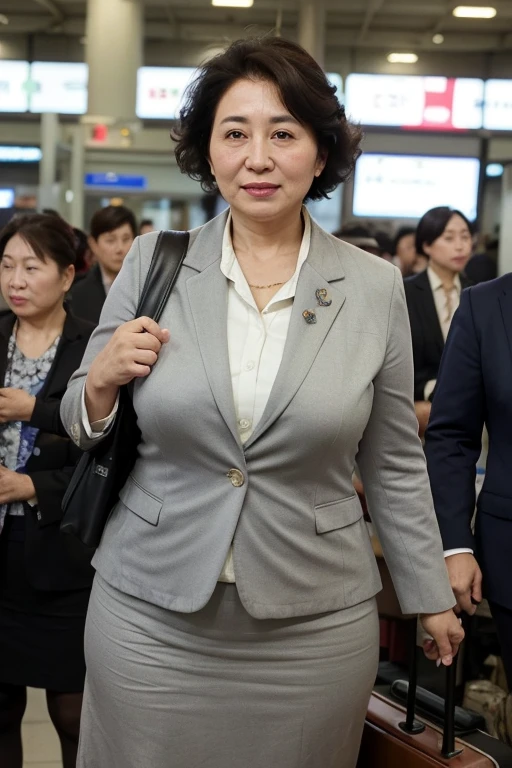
[{"x": 206, "y": 248}]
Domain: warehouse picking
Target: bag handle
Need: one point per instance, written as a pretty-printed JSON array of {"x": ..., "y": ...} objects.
[
  {"x": 413, "y": 726},
  {"x": 170, "y": 251}
]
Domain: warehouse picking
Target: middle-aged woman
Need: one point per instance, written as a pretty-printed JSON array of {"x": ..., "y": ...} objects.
[
  {"x": 233, "y": 621},
  {"x": 45, "y": 578}
]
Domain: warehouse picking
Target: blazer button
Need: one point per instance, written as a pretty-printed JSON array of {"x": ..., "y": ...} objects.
[{"x": 236, "y": 477}]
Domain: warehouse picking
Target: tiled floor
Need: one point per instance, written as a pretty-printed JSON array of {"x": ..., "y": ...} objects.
[{"x": 40, "y": 743}]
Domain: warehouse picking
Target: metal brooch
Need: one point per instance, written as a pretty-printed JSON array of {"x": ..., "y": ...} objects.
[
  {"x": 309, "y": 316},
  {"x": 321, "y": 297}
]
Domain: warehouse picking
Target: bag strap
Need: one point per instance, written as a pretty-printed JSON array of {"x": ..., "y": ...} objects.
[{"x": 170, "y": 251}]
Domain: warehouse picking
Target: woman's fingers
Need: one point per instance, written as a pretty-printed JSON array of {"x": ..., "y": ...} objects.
[{"x": 446, "y": 636}]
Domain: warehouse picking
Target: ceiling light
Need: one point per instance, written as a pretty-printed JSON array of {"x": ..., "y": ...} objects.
[
  {"x": 402, "y": 58},
  {"x": 233, "y": 3},
  {"x": 438, "y": 39},
  {"x": 3, "y": 19},
  {"x": 474, "y": 12}
]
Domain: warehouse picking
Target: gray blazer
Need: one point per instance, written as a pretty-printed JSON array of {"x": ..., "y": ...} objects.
[{"x": 343, "y": 394}]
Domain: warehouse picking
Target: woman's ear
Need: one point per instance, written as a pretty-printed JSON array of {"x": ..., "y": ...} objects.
[
  {"x": 69, "y": 276},
  {"x": 427, "y": 249},
  {"x": 321, "y": 161}
]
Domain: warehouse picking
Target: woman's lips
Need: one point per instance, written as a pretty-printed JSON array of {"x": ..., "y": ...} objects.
[
  {"x": 18, "y": 301},
  {"x": 261, "y": 190}
]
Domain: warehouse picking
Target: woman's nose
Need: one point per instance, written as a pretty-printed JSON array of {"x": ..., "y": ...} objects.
[
  {"x": 258, "y": 156},
  {"x": 17, "y": 280}
]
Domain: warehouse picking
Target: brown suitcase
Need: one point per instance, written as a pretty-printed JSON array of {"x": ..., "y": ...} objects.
[
  {"x": 386, "y": 745},
  {"x": 394, "y": 738}
]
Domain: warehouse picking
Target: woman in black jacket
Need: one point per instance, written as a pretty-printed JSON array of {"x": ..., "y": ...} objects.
[{"x": 45, "y": 577}]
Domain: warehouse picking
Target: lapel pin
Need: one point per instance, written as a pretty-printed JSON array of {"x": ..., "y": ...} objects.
[
  {"x": 309, "y": 316},
  {"x": 321, "y": 297}
]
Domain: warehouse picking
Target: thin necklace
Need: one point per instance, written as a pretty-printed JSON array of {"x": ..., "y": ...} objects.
[{"x": 262, "y": 287}]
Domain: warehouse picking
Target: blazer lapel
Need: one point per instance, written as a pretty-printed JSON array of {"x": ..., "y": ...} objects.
[
  {"x": 208, "y": 297},
  {"x": 505, "y": 300},
  {"x": 322, "y": 270}
]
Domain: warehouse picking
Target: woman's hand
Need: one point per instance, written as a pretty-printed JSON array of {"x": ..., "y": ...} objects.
[
  {"x": 16, "y": 405},
  {"x": 447, "y": 634},
  {"x": 130, "y": 354},
  {"x": 15, "y": 486}
]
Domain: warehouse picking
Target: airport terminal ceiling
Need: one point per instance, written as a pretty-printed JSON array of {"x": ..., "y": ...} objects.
[{"x": 357, "y": 24}]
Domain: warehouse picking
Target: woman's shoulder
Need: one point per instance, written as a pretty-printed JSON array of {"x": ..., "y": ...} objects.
[{"x": 361, "y": 266}]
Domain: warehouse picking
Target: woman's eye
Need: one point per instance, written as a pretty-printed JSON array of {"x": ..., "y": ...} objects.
[
  {"x": 282, "y": 135},
  {"x": 235, "y": 135}
]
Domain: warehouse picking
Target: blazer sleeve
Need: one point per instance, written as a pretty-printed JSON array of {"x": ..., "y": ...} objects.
[
  {"x": 454, "y": 435},
  {"x": 120, "y": 307},
  {"x": 46, "y": 416},
  {"x": 392, "y": 467}
]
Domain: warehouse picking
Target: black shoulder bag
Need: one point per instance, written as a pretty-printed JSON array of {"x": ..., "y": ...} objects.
[{"x": 102, "y": 472}]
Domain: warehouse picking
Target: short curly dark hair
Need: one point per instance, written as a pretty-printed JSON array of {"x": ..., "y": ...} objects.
[{"x": 304, "y": 90}]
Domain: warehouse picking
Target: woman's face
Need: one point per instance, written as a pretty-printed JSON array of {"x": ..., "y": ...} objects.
[
  {"x": 263, "y": 160},
  {"x": 32, "y": 288},
  {"x": 452, "y": 249}
]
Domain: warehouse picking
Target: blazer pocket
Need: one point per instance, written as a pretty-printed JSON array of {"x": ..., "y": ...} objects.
[
  {"x": 337, "y": 514},
  {"x": 140, "y": 501}
]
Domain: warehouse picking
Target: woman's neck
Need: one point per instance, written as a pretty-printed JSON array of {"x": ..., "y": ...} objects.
[
  {"x": 447, "y": 276},
  {"x": 35, "y": 335},
  {"x": 263, "y": 241}
]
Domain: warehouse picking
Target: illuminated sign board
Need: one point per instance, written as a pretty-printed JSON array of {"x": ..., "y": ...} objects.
[
  {"x": 160, "y": 91},
  {"x": 498, "y": 105},
  {"x": 10, "y": 154},
  {"x": 408, "y": 101},
  {"x": 59, "y": 87},
  {"x": 13, "y": 86},
  {"x": 6, "y": 198},
  {"x": 406, "y": 186}
]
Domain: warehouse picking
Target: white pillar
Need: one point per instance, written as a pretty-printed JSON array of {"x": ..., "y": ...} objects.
[
  {"x": 311, "y": 32},
  {"x": 505, "y": 252},
  {"x": 48, "y": 191},
  {"x": 114, "y": 34}
]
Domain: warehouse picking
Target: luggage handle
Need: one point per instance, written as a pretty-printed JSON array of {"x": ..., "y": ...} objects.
[{"x": 414, "y": 727}]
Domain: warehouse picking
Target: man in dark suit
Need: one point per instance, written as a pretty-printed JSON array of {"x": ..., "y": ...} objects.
[
  {"x": 113, "y": 230},
  {"x": 444, "y": 236},
  {"x": 474, "y": 387}
]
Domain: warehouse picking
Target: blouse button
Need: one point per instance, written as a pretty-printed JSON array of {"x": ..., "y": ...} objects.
[
  {"x": 244, "y": 423},
  {"x": 249, "y": 366}
]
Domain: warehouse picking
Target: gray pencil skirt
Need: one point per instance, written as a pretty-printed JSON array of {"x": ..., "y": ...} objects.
[{"x": 219, "y": 689}]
